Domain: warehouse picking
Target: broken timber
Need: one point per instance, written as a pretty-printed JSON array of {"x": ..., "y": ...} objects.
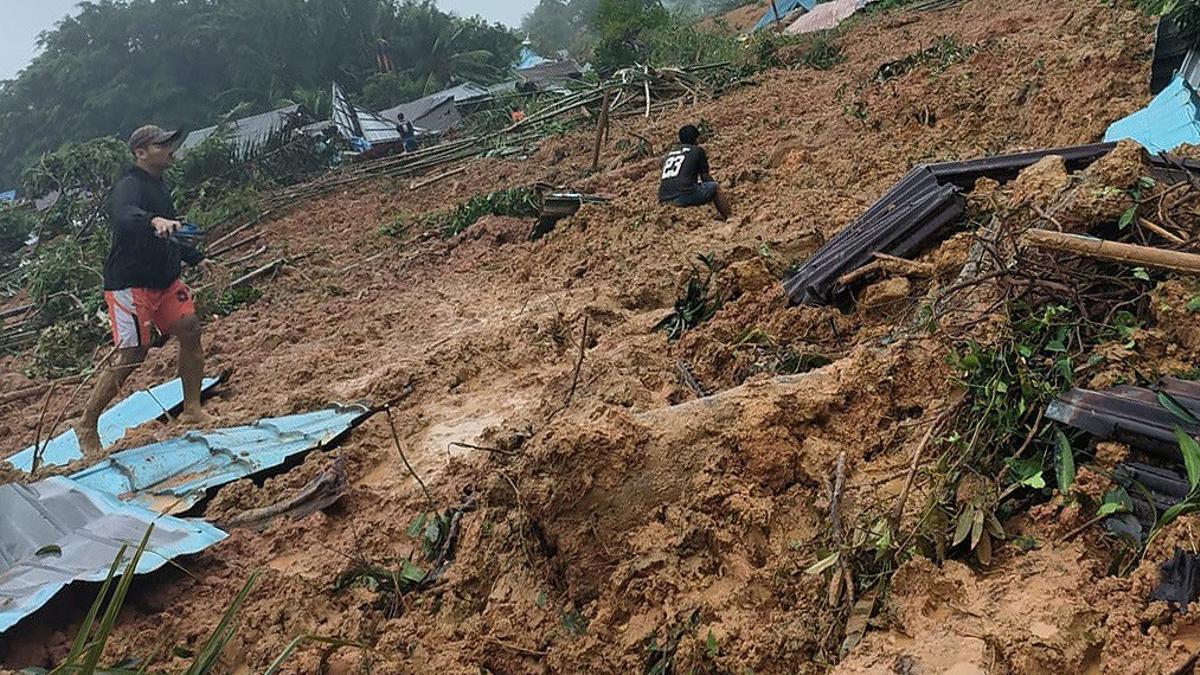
[{"x": 1188, "y": 263}]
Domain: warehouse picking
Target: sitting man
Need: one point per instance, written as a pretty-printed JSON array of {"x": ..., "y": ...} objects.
[{"x": 685, "y": 180}]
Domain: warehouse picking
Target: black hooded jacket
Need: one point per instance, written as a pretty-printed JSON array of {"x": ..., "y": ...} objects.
[{"x": 139, "y": 258}]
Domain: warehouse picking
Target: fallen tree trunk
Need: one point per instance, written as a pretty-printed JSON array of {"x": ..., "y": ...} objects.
[{"x": 1188, "y": 263}]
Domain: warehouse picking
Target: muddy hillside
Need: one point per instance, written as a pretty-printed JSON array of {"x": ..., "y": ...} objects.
[{"x": 770, "y": 488}]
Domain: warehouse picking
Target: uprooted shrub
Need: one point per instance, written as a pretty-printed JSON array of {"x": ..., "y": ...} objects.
[
  {"x": 698, "y": 303},
  {"x": 518, "y": 202},
  {"x": 64, "y": 280}
]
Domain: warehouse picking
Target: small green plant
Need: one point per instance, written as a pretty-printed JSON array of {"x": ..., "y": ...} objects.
[
  {"x": 87, "y": 648},
  {"x": 822, "y": 52},
  {"x": 1135, "y": 193},
  {"x": 697, "y": 304},
  {"x": 944, "y": 52},
  {"x": 660, "y": 657},
  {"x": 518, "y": 202},
  {"x": 233, "y": 298}
]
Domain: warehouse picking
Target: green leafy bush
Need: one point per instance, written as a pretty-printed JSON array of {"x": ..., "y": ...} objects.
[
  {"x": 518, "y": 202},
  {"x": 16, "y": 224},
  {"x": 78, "y": 176},
  {"x": 697, "y": 304}
]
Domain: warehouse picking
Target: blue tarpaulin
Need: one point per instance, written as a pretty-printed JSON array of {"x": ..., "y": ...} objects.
[
  {"x": 784, "y": 7},
  {"x": 172, "y": 476},
  {"x": 8, "y": 196},
  {"x": 1170, "y": 119},
  {"x": 140, "y": 407},
  {"x": 55, "y": 531}
]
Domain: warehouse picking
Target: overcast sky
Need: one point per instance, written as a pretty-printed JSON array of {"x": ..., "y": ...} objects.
[{"x": 24, "y": 19}]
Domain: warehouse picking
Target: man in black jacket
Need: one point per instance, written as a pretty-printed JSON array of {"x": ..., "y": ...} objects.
[
  {"x": 685, "y": 179},
  {"x": 142, "y": 284}
]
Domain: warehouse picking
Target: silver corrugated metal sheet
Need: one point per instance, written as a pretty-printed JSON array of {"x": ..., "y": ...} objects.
[
  {"x": 172, "y": 476},
  {"x": 54, "y": 532},
  {"x": 136, "y": 409},
  {"x": 353, "y": 121},
  {"x": 429, "y": 114},
  {"x": 247, "y": 133},
  {"x": 551, "y": 72}
]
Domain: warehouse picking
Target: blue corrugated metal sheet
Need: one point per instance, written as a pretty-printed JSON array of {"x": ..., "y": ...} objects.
[
  {"x": 784, "y": 7},
  {"x": 172, "y": 476},
  {"x": 529, "y": 58},
  {"x": 88, "y": 528},
  {"x": 140, "y": 407},
  {"x": 1171, "y": 118}
]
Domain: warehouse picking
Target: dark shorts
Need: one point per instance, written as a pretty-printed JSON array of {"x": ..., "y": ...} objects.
[{"x": 699, "y": 196}]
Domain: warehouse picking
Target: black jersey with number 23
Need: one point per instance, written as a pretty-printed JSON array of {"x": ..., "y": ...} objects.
[{"x": 681, "y": 170}]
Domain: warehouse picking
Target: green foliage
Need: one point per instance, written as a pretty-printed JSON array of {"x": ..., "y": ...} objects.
[
  {"x": 65, "y": 277},
  {"x": 234, "y": 298},
  {"x": 384, "y": 90},
  {"x": 1186, "y": 13},
  {"x": 81, "y": 175},
  {"x": 885, "y": 5},
  {"x": 1006, "y": 382},
  {"x": 555, "y": 25},
  {"x": 682, "y": 41},
  {"x": 518, "y": 202},
  {"x": 1064, "y": 462},
  {"x": 88, "y": 646},
  {"x": 622, "y": 28},
  {"x": 116, "y": 65},
  {"x": 697, "y": 304},
  {"x": 944, "y": 52},
  {"x": 16, "y": 224},
  {"x": 66, "y": 347}
]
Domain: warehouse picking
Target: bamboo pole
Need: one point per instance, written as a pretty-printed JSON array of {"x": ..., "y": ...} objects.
[{"x": 1188, "y": 263}]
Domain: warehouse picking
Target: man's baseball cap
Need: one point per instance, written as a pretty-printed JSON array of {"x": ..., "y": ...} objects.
[{"x": 151, "y": 135}]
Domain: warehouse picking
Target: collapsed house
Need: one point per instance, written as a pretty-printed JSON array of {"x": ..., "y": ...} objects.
[{"x": 248, "y": 134}]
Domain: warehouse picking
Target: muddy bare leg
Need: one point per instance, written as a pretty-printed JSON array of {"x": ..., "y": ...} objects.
[
  {"x": 191, "y": 368},
  {"x": 107, "y": 386},
  {"x": 721, "y": 201}
]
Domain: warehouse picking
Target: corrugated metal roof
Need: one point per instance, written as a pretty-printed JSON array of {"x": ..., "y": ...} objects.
[
  {"x": 88, "y": 528},
  {"x": 1170, "y": 119},
  {"x": 909, "y": 214},
  {"x": 912, "y": 212},
  {"x": 353, "y": 121},
  {"x": 551, "y": 72},
  {"x": 784, "y": 7},
  {"x": 247, "y": 133},
  {"x": 825, "y": 16},
  {"x": 1131, "y": 415},
  {"x": 1170, "y": 49},
  {"x": 463, "y": 92},
  {"x": 138, "y": 408},
  {"x": 172, "y": 476},
  {"x": 529, "y": 58},
  {"x": 431, "y": 113}
]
